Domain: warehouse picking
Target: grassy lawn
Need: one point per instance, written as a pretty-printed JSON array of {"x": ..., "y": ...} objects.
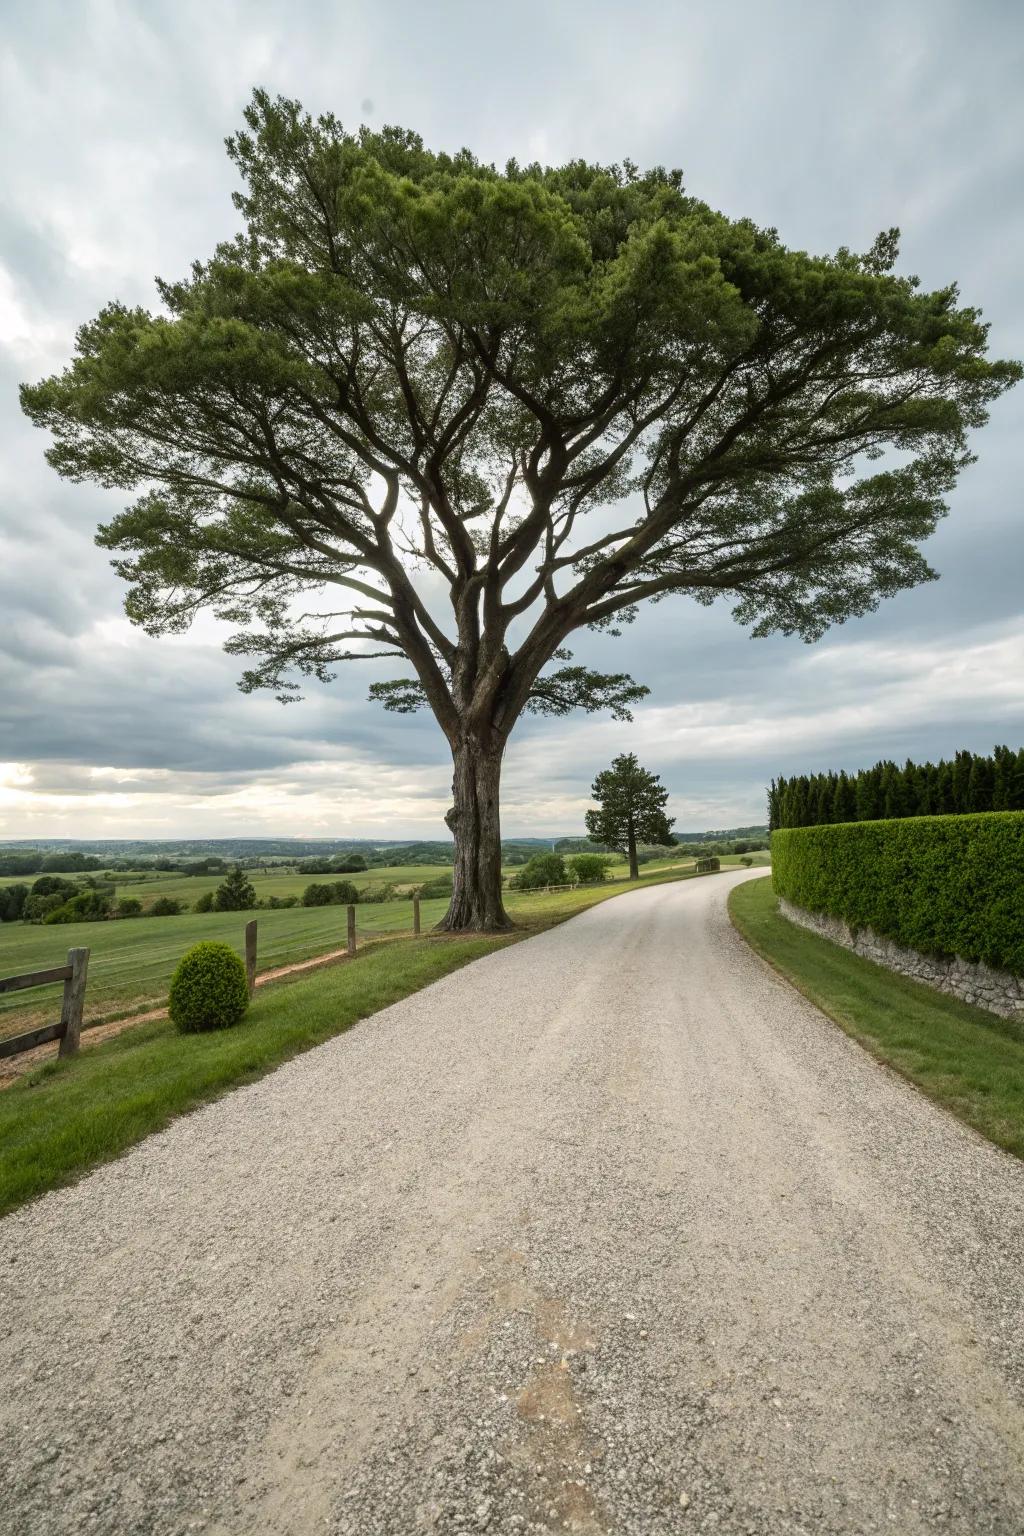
[
  {"x": 67, "y": 1116},
  {"x": 964, "y": 1058}
]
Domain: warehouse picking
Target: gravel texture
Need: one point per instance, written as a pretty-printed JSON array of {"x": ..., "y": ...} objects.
[{"x": 608, "y": 1232}]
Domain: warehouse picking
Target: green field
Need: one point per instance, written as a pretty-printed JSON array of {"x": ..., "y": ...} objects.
[
  {"x": 962, "y": 1057},
  {"x": 132, "y": 960}
]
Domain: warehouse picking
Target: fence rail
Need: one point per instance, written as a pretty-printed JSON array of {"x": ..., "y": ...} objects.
[{"x": 69, "y": 1027}]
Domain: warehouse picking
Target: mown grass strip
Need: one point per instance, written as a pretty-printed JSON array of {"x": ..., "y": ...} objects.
[
  {"x": 68, "y": 1116},
  {"x": 966, "y": 1059}
]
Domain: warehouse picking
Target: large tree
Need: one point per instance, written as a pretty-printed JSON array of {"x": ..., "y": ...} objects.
[
  {"x": 422, "y": 408},
  {"x": 630, "y": 809}
]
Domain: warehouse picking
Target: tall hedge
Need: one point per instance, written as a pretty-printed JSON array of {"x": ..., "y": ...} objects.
[{"x": 943, "y": 885}]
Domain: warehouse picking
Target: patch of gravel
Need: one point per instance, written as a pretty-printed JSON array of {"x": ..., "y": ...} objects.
[{"x": 608, "y": 1232}]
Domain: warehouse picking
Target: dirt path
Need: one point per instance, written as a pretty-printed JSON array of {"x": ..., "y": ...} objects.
[{"x": 609, "y": 1232}]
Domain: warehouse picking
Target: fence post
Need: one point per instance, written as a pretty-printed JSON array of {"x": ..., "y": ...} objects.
[
  {"x": 73, "y": 1002},
  {"x": 416, "y": 914},
  {"x": 250, "y": 955},
  {"x": 351, "y": 930}
]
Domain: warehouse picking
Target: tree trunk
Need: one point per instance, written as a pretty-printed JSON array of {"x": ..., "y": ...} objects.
[
  {"x": 634, "y": 867},
  {"x": 476, "y": 894}
]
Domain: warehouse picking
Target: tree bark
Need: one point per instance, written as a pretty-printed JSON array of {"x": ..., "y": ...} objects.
[
  {"x": 476, "y": 902},
  {"x": 634, "y": 867}
]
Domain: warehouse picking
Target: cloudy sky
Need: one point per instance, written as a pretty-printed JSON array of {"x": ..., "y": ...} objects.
[{"x": 830, "y": 121}]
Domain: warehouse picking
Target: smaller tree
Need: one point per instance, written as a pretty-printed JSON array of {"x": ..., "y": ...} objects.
[
  {"x": 236, "y": 893},
  {"x": 631, "y": 809}
]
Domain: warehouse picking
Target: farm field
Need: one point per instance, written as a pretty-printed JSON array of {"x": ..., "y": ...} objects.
[{"x": 132, "y": 960}]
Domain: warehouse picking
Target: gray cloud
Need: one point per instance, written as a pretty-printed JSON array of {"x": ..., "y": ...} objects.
[{"x": 787, "y": 113}]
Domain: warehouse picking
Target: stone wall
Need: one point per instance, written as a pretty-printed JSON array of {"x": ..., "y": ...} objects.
[{"x": 999, "y": 991}]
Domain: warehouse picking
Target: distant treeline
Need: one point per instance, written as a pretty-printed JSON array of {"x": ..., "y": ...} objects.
[
  {"x": 34, "y": 862},
  {"x": 966, "y": 784}
]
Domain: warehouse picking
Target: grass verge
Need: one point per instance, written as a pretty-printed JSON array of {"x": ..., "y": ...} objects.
[
  {"x": 966, "y": 1059},
  {"x": 68, "y": 1116}
]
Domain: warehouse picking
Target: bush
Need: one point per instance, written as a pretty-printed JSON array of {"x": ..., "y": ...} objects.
[
  {"x": 589, "y": 868},
  {"x": 236, "y": 894},
  {"x": 374, "y": 893},
  {"x": 746, "y": 861},
  {"x": 943, "y": 885},
  {"x": 208, "y": 990},
  {"x": 203, "y": 903},
  {"x": 436, "y": 890},
  {"x": 166, "y": 906},
  {"x": 129, "y": 907},
  {"x": 282, "y": 901},
  {"x": 341, "y": 893},
  {"x": 543, "y": 869},
  {"x": 85, "y": 907},
  {"x": 708, "y": 864}
]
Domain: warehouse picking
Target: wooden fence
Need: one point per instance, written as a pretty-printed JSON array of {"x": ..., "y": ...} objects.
[{"x": 69, "y": 1027}]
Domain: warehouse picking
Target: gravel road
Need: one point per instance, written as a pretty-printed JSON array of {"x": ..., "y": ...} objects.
[{"x": 609, "y": 1232}]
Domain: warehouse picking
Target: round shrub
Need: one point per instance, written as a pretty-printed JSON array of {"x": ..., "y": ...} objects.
[{"x": 208, "y": 990}]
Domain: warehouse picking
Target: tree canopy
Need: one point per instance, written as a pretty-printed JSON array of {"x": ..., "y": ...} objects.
[{"x": 422, "y": 408}]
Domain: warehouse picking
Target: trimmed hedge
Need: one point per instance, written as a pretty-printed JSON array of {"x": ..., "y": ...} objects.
[
  {"x": 943, "y": 885},
  {"x": 209, "y": 989}
]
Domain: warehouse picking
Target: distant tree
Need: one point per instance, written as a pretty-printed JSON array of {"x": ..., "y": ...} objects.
[
  {"x": 204, "y": 903},
  {"x": 236, "y": 893},
  {"x": 544, "y": 395},
  {"x": 27, "y": 863},
  {"x": 337, "y": 893},
  {"x": 844, "y": 803},
  {"x": 68, "y": 862},
  {"x": 128, "y": 906},
  {"x": 631, "y": 809},
  {"x": 980, "y": 782},
  {"x": 169, "y": 906},
  {"x": 12, "y": 902}
]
